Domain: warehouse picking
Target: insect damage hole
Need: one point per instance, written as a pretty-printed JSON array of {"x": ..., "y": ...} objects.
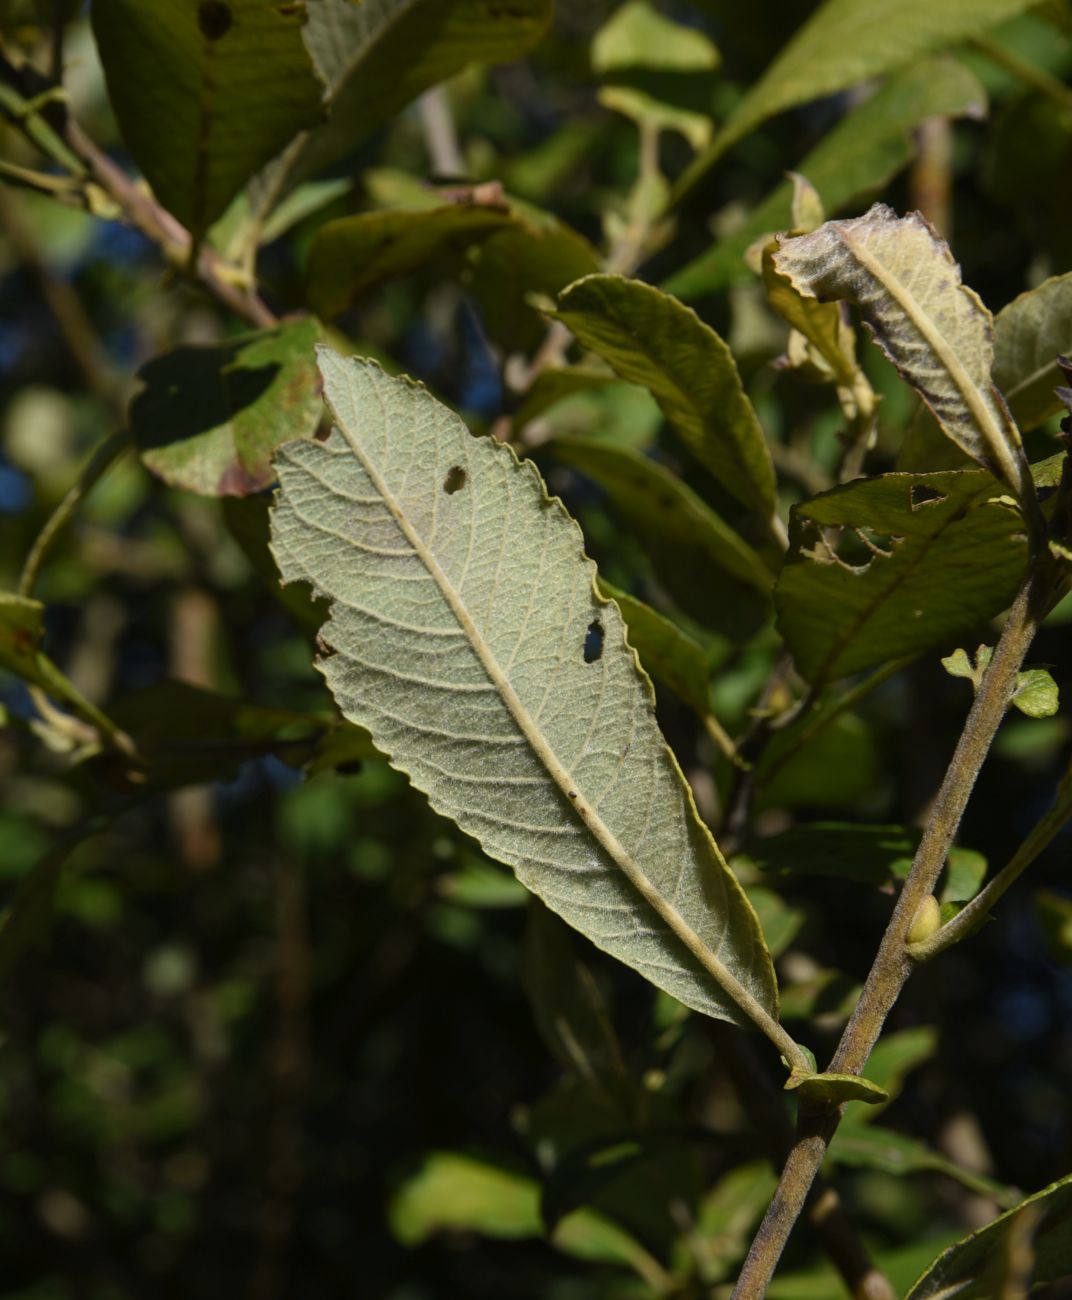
[
  {"x": 455, "y": 480},
  {"x": 593, "y": 641},
  {"x": 922, "y": 495},
  {"x": 214, "y": 18}
]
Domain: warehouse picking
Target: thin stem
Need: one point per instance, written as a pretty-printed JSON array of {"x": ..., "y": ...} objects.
[
  {"x": 101, "y": 460},
  {"x": 968, "y": 918},
  {"x": 722, "y": 739},
  {"x": 221, "y": 279},
  {"x": 892, "y": 965},
  {"x": 765, "y": 1106},
  {"x": 440, "y": 135}
]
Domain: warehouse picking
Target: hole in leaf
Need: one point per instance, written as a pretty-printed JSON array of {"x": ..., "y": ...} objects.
[
  {"x": 455, "y": 480},
  {"x": 922, "y": 495},
  {"x": 593, "y": 641},
  {"x": 214, "y": 18}
]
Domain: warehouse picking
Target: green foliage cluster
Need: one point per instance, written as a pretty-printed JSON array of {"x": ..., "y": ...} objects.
[{"x": 720, "y": 554}]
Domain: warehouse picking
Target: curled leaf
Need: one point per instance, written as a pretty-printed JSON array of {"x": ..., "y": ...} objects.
[{"x": 934, "y": 329}]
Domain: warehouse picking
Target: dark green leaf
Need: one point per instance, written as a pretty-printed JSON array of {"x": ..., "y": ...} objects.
[
  {"x": 974, "y": 1268},
  {"x": 570, "y": 1011},
  {"x": 886, "y": 567},
  {"x": 1054, "y": 912},
  {"x": 205, "y": 93},
  {"x": 209, "y": 418},
  {"x": 1029, "y": 335},
  {"x": 351, "y": 255},
  {"x": 651, "y": 339},
  {"x": 659, "y": 504},
  {"x": 669, "y": 655}
]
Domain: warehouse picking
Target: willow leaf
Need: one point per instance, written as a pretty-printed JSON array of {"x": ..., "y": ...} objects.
[
  {"x": 1029, "y": 334},
  {"x": 205, "y": 94},
  {"x": 466, "y": 634},
  {"x": 1039, "y": 1229},
  {"x": 844, "y": 43},
  {"x": 934, "y": 329},
  {"x": 651, "y": 339}
]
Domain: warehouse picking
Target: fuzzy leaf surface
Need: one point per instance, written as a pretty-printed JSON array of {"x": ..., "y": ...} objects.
[
  {"x": 934, "y": 329},
  {"x": 933, "y": 555},
  {"x": 205, "y": 94},
  {"x": 973, "y": 1269},
  {"x": 653, "y": 340},
  {"x": 466, "y": 634},
  {"x": 1029, "y": 335}
]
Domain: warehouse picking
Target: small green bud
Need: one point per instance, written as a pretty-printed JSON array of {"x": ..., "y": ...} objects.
[{"x": 927, "y": 919}]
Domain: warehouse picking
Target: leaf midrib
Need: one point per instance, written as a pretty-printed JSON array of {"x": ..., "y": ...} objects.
[
  {"x": 549, "y": 760},
  {"x": 948, "y": 358}
]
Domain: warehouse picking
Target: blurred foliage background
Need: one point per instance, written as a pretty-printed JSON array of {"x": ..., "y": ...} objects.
[{"x": 249, "y": 1002}]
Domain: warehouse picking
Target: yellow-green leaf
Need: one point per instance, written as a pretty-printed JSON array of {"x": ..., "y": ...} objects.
[
  {"x": 466, "y": 634},
  {"x": 844, "y": 43},
  {"x": 933, "y": 328}
]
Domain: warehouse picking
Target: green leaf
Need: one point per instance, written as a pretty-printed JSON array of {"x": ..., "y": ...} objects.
[
  {"x": 209, "y": 417},
  {"x": 837, "y": 767},
  {"x": 934, "y": 329},
  {"x": 896, "y": 1055},
  {"x": 1036, "y": 693},
  {"x": 653, "y": 499},
  {"x": 570, "y": 1011},
  {"x": 668, "y": 654},
  {"x": 26, "y": 921},
  {"x": 1054, "y": 912},
  {"x": 833, "y": 1089},
  {"x": 867, "y": 1146},
  {"x": 377, "y": 56},
  {"x": 1029, "y": 334},
  {"x": 535, "y": 255},
  {"x": 778, "y": 920},
  {"x": 638, "y": 36},
  {"x": 457, "y": 1192},
  {"x": 651, "y": 339},
  {"x": 872, "y": 855},
  {"x": 555, "y": 383},
  {"x": 965, "y": 871},
  {"x": 843, "y": 44},
  {"x": 867, "y": 147},
  {"x": 205, "y": 93},
  {"x": 973, "y": 1269},
  {"x": 822, "y": 1281},
  {"x": 917, "y": 559},
  {"x": 467, "y": 635},
  {"x": 351, "y": 255},
  {"x": 830, "y": 995},
  {"x": 726, "y": 1217},
  {"x": 188, "y": 735},
  {"x": 460, "y": 1193},
  {"x": 22, "y": 628}
]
